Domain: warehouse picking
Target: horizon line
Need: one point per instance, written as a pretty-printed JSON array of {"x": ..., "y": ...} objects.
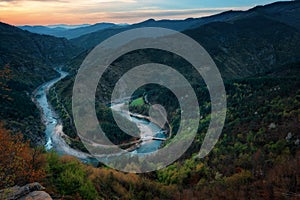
[{"x": 156, "y": 18}]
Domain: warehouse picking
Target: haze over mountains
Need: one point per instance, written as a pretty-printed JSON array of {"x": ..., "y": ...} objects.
[
  {"x": 68, "y": 31},
  {"x": 285, "y": 12}
]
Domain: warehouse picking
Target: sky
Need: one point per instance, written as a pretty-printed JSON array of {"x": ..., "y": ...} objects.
[{"x": 49, "y": 12}]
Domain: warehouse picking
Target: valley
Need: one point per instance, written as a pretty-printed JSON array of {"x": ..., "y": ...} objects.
[
  {"x": 257, "y": 52},
  {"x": 56, "y": 139}
]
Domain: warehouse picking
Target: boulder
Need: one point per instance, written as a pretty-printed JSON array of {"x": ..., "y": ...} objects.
[
  {"x": 37, "y": 195},
  {"x": 32, "y": 191}
]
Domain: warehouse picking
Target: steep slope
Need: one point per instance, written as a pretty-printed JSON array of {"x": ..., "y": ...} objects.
[
  {"x": 26, "y": 61},
  {"x": 89, "y": 41},
  {"x": 249, "y": 46},
  {"x": 45, "y": 50},
  {"x": 285, "y": 12}
]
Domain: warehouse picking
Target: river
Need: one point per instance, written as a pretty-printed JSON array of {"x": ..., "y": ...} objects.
[
  {"x": 54, "y": 128},
  {"x": 147, "y": 129}
]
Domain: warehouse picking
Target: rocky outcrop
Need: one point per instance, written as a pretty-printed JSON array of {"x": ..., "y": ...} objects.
[{"x": 31, "y": 191}]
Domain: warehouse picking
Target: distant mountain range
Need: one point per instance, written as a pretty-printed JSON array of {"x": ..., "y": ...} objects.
[
  {"x": 67, "y": 26},
  {"x": 287, "y": 13},
  {"x": 242, "y": 43},
  {"x": 68, "y": 31}
]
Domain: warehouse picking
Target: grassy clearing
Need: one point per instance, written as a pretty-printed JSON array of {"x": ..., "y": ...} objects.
[{"x": 138, "y": 102}]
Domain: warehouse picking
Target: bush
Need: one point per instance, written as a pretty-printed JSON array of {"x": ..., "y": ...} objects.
[{"x": 70, "y": 177}]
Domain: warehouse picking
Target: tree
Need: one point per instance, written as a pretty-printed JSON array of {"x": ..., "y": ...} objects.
[{"x": 19, "y": 164}]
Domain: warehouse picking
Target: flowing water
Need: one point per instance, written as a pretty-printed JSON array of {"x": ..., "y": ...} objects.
[{"x": 54, "y": 128}]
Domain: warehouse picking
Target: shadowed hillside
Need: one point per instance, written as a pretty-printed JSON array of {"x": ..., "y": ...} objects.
[{"x": 27, "y": 60}]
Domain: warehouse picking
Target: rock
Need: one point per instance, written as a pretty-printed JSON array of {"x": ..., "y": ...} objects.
[
  {"x": 30, "y": 191},
  {"x": 37, "y": 195},
  {"x": 272, "y": 126},
  {"x": 289, "y": 136}
]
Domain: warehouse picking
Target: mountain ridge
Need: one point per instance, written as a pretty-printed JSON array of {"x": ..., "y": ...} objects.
[
  {"x": 68, "y": 33},
  {"x": 280, "y": 9}
]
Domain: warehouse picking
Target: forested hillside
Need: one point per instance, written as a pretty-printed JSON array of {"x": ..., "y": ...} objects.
[{"x": 27, "y": 60}]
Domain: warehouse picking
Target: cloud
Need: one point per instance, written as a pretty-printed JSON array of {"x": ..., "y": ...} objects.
[
  {"x": 15, "y": 1},
  {"x": 92, "y": 11},
  {"x": 69, "y": 1},
  {"x": 138, "y": 15},
  {"x": 116, "y": 1}
]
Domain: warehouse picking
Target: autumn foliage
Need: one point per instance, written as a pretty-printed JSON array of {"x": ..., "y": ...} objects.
[{"x": 19, "y": 164}]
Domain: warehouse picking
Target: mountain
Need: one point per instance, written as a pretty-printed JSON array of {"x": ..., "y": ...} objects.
[
  {"x": 242, "y": 44},
  {"x": 67, "y": 26},
  {"x": 66, "y": 31},
  {"x": 43, "y": 30},
  {"x": 249, "y": 46},
  {"x": 284, "y": 12},
  {"x": 291, "y": 17},
  {"x": 29, "y": 51},
  {"x": 26, "y": 61}
]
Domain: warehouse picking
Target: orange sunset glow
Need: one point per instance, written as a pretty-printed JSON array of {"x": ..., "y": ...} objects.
[{"x": 38, "y": 12}]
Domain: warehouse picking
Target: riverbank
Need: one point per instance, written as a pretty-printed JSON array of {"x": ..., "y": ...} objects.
[
  {"x": 148, "y": 131},
  {"x": 56, "y": 139},
  {"x": 54, "y": 135}
]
